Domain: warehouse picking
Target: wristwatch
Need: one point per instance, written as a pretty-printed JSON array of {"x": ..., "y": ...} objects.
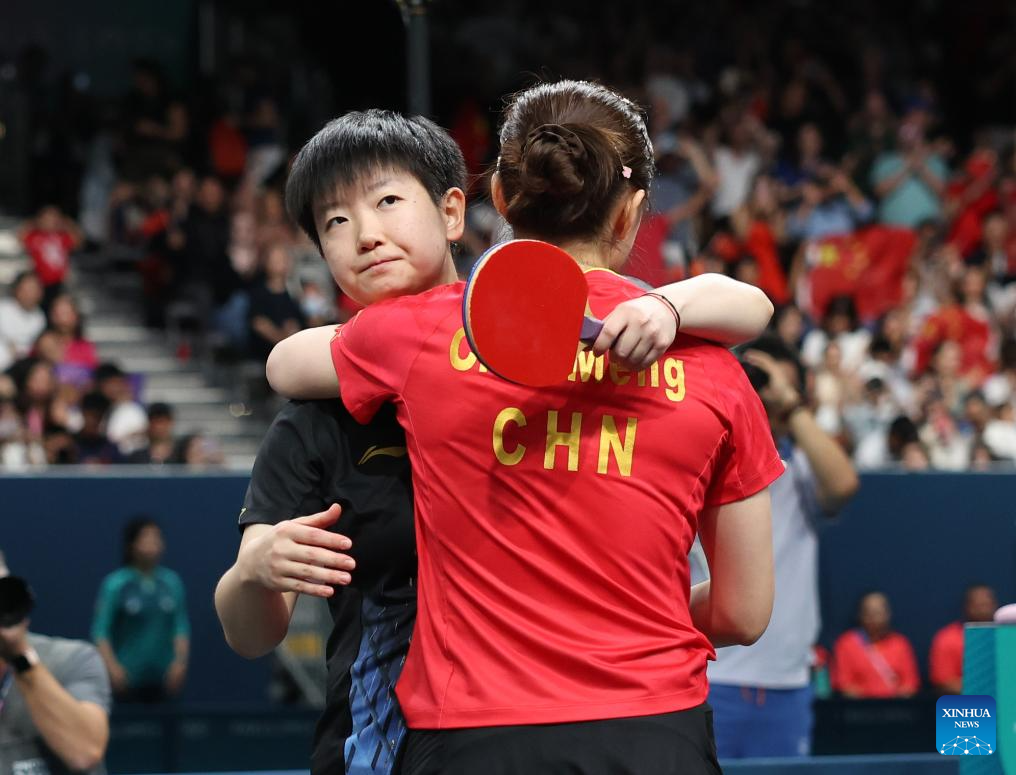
[{"x": 24, "y": 662}]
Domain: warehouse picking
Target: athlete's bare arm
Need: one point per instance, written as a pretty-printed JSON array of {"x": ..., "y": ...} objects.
[
  {"x": 254, "y": 599},
  {"x": 712, "y": 306},
  {"x": 734, "y": 606},
  {"x": 301, "y": 365}
]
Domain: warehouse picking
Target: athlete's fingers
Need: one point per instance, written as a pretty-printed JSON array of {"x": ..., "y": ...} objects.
[
  {"x": 321, "y": 558},
  {"x": 309, "y": 588},
  {"x": 625, "y": 344},
  {"x": 323, "y": 519},
  {"x": 613, "y": 325},
  {"x": 297, "y": 571},
  {"x": 314, "y": 536},
  {"x": 638, "y": 358}
]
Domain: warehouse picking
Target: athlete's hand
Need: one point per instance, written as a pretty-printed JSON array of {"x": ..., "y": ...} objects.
[
  {"x": 637, "y": 332},
  {"x": 299, "y": 555}
]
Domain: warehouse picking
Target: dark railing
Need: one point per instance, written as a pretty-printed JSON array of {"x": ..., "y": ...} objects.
[{"x": 185, "y": 738}]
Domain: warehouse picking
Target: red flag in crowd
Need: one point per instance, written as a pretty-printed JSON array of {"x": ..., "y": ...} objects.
[
  {"x": 868, "y": 265},
  {"x": 972, "y": 334}
]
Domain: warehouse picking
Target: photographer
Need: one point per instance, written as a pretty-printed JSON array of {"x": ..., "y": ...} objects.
[
  {"x": 762, "y": 695},
  {"x": 54, "y": 694}
]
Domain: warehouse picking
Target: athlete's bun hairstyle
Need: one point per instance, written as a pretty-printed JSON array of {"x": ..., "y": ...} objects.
[
  {"x": 360, "y": 143},
  {"x": 568, "y": 150}
]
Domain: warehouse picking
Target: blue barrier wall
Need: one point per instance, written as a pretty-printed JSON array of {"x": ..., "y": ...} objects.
[
  {"x": 63, "y": 533},
  {"x": 921, "y": 538}
]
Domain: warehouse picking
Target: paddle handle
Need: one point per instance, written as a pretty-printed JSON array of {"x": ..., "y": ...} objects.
[{"x": 591, "y": 328}]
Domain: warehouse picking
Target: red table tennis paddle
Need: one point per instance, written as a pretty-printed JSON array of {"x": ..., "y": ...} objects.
[{"x": 524, "y": 312}]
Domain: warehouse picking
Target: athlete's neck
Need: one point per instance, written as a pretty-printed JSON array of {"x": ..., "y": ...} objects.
[{"x": 595, "y": 253}]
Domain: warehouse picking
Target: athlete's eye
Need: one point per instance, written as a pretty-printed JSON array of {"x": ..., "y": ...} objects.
[
  {"x": 389, "y": 200},
  {"x": 338, "y": 219}
]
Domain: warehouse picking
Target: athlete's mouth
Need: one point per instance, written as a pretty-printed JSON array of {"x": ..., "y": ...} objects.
[{"x": 378, "y": 262}]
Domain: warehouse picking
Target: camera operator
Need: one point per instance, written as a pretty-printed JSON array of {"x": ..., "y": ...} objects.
[{"x": 54, "y": 694}]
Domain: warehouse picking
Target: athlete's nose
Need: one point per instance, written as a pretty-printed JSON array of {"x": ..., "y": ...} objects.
[{"x": 371, "y": 235}]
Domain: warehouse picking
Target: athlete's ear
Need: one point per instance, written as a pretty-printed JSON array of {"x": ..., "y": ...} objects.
[
  {"x": 497, "y": 194},
  {"x": 453, "y": 208},
  {"x": 629, "y": 215}
]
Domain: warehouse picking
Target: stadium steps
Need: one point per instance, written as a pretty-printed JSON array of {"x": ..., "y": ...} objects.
[{"x": 111, "y": 303}]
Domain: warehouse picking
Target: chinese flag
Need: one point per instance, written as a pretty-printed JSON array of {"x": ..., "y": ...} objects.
[{"x": 868, "y": 265}]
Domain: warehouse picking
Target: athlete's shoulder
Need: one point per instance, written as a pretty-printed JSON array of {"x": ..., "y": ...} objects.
[{"x": 406, "y": 314}]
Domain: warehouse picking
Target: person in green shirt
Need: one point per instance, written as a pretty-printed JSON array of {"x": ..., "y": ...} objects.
[{"x": 141, "y": 627}]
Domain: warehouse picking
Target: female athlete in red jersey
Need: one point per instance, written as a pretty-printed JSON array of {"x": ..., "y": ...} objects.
[{"x": 556, "y": 629}]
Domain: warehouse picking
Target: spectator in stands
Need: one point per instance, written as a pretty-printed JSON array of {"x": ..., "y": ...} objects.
[
  {"x": 945, "y": 661},
  {"x": 128, "y": 421},
  {"x": 160, "y": 437},
  {"x": 15, "y": 451},
  {"x": 204, "y": 277},
  {"x": 316, "y": 307},
  {"x": 77, "y": 351},
  {"x": 788, "y": 323},
  {"x": 21, "y": 319},
  {"x": 93, "y": 446},
  {"x": 156, "y": 126},
  {"x": 830, "y": 205},
  {"x": 141, "y": 626},
  {"x": 738, "y": 161},
  {"x": 761, "y": 694},
  {"x": 58, "y": 446},
  {"x": 273, "y": 314},
  {"x": 36, "y": 390},
  {"x": 198, "y": 451},
  {"x": 760, "y": 227},
  {"x": 840, "y": 324},
  {"x": 682, "y": 189},
  {"x": 807, "y": 162},
  {"x": 50, "y": 239},
  {"x": 910, "y": 180},
  {"x": 56, "y": 700},
  {"x": 872, "y": 660}
]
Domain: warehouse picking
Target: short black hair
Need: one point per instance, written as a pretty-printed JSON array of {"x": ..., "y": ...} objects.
[
  {"x": 359, "y": 142},
  {"x": 160, "y": 409},
  {"x": 107, "y": 370},
  {"x": 131, "y": 531},
  {"x": 778, "y": 350},
  {"x": 95, "y": 402}
]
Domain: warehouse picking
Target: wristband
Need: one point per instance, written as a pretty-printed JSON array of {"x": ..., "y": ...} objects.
[
  {"x": 24, "y": 662},
  {"x": 669, "y": 303}
]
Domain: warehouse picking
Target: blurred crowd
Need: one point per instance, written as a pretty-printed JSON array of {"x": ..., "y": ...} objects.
[{"x": 831, "y": 159}]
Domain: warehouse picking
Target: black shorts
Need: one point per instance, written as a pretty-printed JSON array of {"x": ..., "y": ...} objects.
[{"x": 679, "y": 743}]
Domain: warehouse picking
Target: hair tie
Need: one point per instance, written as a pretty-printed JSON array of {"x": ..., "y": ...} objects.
[{"x": 626, "y": 172}]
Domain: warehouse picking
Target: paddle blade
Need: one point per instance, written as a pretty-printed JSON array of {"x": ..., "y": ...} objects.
[{"x": 523, "y": 311}]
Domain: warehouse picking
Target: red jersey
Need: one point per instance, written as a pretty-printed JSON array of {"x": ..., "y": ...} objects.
[
  {"x": 553, "y": 525},
  {"x": 945, "y": 663},
  {"x": 50, "y": 252},
  {"x": 886, "y": 668}
]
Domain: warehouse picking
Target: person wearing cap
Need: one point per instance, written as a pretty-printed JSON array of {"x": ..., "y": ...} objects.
[{"x": 54, "y": 694}]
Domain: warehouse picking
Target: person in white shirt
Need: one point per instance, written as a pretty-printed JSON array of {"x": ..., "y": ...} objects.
[
  {"x": 761, "y": 694},
  {"x": 21, "y": 319}
]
